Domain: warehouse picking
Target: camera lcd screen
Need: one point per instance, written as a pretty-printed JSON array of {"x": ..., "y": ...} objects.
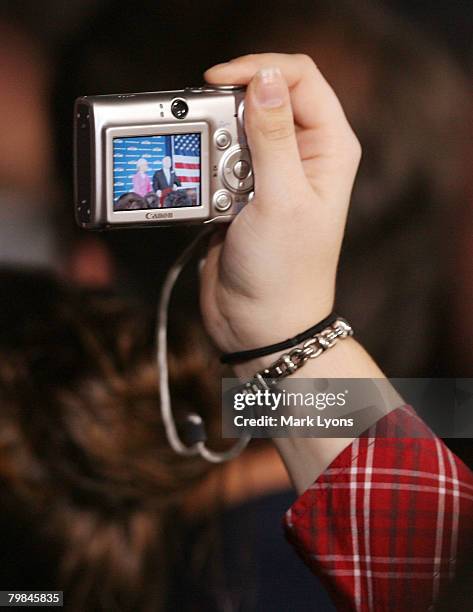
[{"x": 157, "y": 171}]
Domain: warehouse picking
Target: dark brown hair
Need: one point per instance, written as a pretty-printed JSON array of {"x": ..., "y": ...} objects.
[{"x": 84, "y": 465}]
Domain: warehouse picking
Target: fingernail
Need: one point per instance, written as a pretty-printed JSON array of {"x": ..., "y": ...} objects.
[{"x": 270, "y": 87}]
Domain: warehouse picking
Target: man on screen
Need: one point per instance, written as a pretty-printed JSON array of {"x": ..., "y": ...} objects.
[{"x": 165, "y": 180}]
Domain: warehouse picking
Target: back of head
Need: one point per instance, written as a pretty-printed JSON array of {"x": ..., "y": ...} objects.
[{"x": 85, "y": 470}]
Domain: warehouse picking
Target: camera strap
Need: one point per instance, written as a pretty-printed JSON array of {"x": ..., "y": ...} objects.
[{"x": 194, "y": 425}]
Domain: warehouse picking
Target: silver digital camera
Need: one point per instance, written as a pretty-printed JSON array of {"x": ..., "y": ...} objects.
[{"x": 161, "y": 158}]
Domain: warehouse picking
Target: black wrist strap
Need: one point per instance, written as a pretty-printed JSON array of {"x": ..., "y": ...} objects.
[{"x": 242, "y": 356}]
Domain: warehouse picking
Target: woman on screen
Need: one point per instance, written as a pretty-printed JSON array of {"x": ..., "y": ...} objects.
[{"x": 141, "y": 181}]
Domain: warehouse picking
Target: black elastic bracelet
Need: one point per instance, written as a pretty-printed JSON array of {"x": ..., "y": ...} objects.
[{"x": 241, "y": 356}]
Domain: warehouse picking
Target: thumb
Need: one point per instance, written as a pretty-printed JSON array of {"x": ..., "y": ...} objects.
[{"x": 269, "y": 126}]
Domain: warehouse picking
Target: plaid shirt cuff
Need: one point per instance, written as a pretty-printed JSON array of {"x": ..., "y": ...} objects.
[{"x": 383, "y": 526}]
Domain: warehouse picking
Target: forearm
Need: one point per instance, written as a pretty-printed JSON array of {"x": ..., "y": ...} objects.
[
  {"x": 306, "y": 458},
  {"x": 305, "y": 157}
]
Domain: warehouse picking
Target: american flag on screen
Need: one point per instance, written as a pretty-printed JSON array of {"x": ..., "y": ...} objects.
[{"x": 187, "y": 159}]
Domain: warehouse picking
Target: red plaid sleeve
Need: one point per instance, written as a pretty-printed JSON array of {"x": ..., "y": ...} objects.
[{"x": 384, "y": 525}]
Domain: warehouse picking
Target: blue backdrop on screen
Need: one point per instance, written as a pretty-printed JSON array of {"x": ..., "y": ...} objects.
[{"x": 127, "y": 151}]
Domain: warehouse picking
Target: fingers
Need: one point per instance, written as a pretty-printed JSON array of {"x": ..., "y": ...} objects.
[
  {"x": 314, "y": 102},
  {"x": 269, "y": 126},
  {"x": 327, "y": 146}
]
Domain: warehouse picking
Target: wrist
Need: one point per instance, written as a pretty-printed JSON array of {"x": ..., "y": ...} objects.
[
  {"x": 253, "y": 328},
  {"x": 348, "y": 359},
  {"x": 306, "y": 458},
  {"x": 319, "y": 332}
]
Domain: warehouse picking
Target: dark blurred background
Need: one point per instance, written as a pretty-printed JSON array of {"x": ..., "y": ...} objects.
[
  {"x": 451, "y": 20},
  {"x": 403, "y": 71}
]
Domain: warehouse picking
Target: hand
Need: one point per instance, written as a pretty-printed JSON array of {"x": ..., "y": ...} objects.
[
  {"x": 174, "y": 187},
  {"x": 271, "y": 273},
  {"x": 158, "y": 193}
]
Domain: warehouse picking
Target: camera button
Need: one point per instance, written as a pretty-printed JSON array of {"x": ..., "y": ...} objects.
[
  {"x": 179, "y": 108},
  {"x": 222, "y": 200},
  {"x": 227, "y": 88},
  {"x": 241, "y": 169},
  {"x": 236, "y": 162},
  {"x": 222, "y": 139}
]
